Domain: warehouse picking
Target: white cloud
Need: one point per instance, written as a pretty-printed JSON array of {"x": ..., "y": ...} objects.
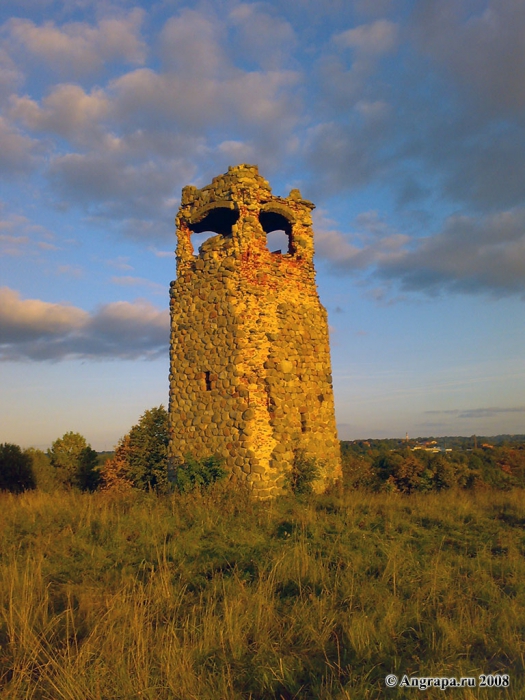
[
  {"x": 263, "y": 37},
  {"x": 371, "y": 243},
  {"x": 347, "y": 79},
  {"x": 67, "y": 111},
  {"x": 248, "y": 101},
  {"x": 32, "y": 319},
  {"x": 478, "y": 412},
  {"x": 108, "y": 184},
  {"x": 78, "y": 48},
  {"x": 375, "y": 39},
  {"x": 482, "y": 47},
  {"x": 20, "y": 236},
  {"x": 471, "y": 254},
  {"x": 346, "y": 156},
  {"x": 31, "y": 329},
  {"x": 120, "y": 263},
  {"x": 10, "y": 75},
  {"x": 191, "y": 46},
  {"x": 12, "y": 245},
  {"x": 74, "y": 271},
  {"x": 126, "y": 148},
  {"x": 17, "y": 151},
  {"x": 129, "y": 281}
]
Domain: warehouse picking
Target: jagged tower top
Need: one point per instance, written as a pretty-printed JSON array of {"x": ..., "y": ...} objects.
[{"x": 239, "y": 206}]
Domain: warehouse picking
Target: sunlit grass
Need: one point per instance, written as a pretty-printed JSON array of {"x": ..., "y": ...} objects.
[{"x": 217, "y": 596}]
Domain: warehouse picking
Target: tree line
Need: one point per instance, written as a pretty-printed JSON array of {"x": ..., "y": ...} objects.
[
  {"x": 377, "y": 466},
  {"x": 140, "y": 461}
]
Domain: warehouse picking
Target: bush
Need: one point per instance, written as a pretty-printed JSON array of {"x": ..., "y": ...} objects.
[
  {"x": 304, "y": 472},
  {"x": 359, "y": 472},
  {"x": 16, "y": 473},
  {"x": 198, "y": 473}
]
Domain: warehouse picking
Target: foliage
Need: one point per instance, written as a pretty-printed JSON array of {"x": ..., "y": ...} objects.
[
  {"x": 358, "y": 471},
  {"x": 198, "y": 473},
  {"x": 141, "y": 457},
  {"x": 75, "y": 462},
  {"x": 212, "y": 595},
  {"x": 115, "y": 472},
  {"x": 44, "y": 472},
  {"x": 304, "y": 473},
  {"x": 378, "y": 467},
  {"x": 16, "y": 473}
]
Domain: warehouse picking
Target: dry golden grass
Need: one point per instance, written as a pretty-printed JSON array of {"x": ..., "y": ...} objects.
[{"x": 215, "y": 596}]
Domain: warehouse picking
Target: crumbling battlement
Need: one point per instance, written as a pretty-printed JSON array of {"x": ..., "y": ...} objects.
[{"x": 250, "y": 376}]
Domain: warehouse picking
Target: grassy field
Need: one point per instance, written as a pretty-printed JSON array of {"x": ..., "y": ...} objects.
[{"x": 216, "y": 596}]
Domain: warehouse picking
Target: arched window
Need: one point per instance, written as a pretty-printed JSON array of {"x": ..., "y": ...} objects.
[
  {"x": 219, "y": 220},
  {"x": 278, "y": 232}
]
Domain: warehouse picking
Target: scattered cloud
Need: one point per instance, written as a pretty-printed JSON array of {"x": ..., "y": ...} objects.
[
  {"x": 375, "y": 39},
  {"x": 128, "y": 281},
  {"x": 68, "y": 111},
  {"x": 78, "y": 48},
  {"x": 17, "y": 151},
  {"x": 343, "y": 156},
  {"x": 30, "y": 319},
  {"x": 20, "y": 236},
  {"x": 123, "y": 150},
  {"x": 480, "y": 46},
  {"x": 161, "y": 253},
  {"x": 470, "y": 254},
  {"x": 262, "y": 37},
  {"x": 12, "y": 245},
  {"x": 31, "y": 329},
  {"x": 230, "y": 88},
  {"x": 370, "y": 244},
  {"x": 11, "y": 77},
  {"x": 119, "y": 263},
  {"x": 477, "y": 412},
  {"x": 74, "y": 271}
]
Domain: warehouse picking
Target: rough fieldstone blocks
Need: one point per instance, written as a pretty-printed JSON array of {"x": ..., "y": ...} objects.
[{"x": 250, "y": 375}]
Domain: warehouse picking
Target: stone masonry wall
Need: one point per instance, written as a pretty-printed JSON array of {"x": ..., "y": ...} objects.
[{"x": 250, "y": 376}]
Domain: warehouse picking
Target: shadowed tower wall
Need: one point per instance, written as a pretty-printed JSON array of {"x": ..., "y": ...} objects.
[{"x": 250, "y": 376}]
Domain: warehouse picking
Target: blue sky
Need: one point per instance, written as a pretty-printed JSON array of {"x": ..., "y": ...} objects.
[{"x": 402, "y": 121}]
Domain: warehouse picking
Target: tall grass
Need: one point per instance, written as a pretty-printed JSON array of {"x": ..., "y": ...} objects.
[{"x": 216, "y": 596}]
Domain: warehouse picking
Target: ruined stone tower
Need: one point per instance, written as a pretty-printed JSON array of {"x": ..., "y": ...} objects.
[{"x": 250, "y": 375}]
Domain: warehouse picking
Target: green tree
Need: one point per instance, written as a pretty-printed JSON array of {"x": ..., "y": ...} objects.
[
  {"x": 44, "y": 472},
  {"x": 444, "y": 474},
  {"x": 75, "y": 462},
  {"x": 141, "y": 457},
  {"x": 402, "y": 471},
  {"x": 16, "y": 473}
]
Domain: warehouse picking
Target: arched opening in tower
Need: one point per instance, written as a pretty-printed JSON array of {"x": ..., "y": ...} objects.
[
  {"x": 278, "y": 232},
  {"x": 218, "y": 221}
]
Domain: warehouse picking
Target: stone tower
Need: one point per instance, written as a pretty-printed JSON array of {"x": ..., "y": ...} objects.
[{"x": 250, "y": 376}]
